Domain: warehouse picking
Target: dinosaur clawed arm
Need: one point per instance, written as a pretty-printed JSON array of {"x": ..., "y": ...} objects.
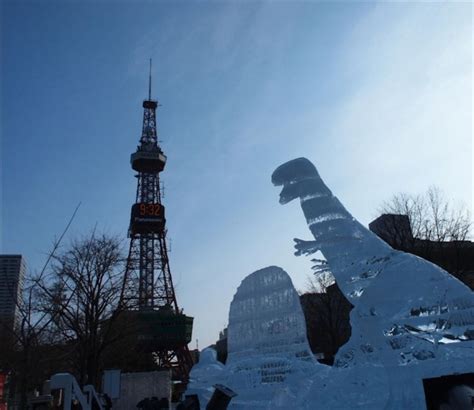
[{"x": 305, "y": 247}]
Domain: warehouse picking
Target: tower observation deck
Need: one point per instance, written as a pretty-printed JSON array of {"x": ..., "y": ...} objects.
[{"x": 162, "y": 327}]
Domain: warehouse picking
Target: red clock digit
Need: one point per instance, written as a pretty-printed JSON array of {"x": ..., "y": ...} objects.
[{"x": 157, "y": 209}]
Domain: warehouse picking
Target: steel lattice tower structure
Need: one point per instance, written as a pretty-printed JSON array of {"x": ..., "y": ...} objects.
[{"x": 163, "y": 328}]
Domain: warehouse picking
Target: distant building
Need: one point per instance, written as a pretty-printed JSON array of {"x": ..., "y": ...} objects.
[
  {"x": 221, "y": 346},
  {"x": 395, "y": 230},
  {"x": 456, "y": 257},
  {"x": 12, "y": 273}
]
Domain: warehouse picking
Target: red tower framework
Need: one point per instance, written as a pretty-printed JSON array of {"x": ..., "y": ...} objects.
[{"x": 163, "y": 328}]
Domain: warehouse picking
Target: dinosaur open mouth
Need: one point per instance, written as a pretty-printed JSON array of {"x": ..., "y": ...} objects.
[
  {"x": 300, "y": 179},
  {"x": 301, "y": 188}
]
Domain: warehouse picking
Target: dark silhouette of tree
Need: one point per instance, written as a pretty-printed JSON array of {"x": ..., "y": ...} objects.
[
  {"x": 431, "y": 227},
  {"x": 432, "y": 216},
  {"x": 83, "y": 296}
]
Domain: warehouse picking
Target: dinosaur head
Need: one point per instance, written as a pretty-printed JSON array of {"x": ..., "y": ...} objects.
[{"x": 299, "y": 178}]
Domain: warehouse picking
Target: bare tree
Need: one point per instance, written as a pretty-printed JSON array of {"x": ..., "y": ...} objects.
[
  {"x": 430, "y": 226},
  {"x": 432, "y": 216},
  {"x": 82, "y": 297}
]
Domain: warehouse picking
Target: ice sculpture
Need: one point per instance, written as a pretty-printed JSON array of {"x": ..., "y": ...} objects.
[
  {"x": 266, "y": 320},
  {"x": 406, "y": 310},
  {"x": 267, "y": 330},
  {"x": 268, "y": 350}
]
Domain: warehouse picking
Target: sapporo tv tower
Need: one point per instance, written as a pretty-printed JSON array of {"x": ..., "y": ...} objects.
[{"x": 162, "y": 327}]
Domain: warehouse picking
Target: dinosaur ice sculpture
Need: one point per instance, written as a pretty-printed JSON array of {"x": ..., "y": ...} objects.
[
  {"x": 406, "y": 310},
  {"x": 403, "y": 303}
]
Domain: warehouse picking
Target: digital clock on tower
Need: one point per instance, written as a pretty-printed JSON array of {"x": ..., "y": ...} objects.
[
  {"x": 147, "y": 217},
  {"x": 149, "y": 209}
]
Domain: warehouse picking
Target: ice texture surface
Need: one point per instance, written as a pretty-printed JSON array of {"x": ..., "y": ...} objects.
[{"x": 266, "y": 319}]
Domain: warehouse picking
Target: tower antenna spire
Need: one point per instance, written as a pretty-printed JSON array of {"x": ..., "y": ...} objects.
[{"x": 149, "y": 83}]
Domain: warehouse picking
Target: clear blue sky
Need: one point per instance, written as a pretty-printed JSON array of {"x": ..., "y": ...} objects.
[{"x": 377, "y": 95}]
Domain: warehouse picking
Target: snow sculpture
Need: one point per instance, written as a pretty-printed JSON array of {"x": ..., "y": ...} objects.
[
  {"x": 207, "y": 372},
  {"x": 406, "y": 310}
]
